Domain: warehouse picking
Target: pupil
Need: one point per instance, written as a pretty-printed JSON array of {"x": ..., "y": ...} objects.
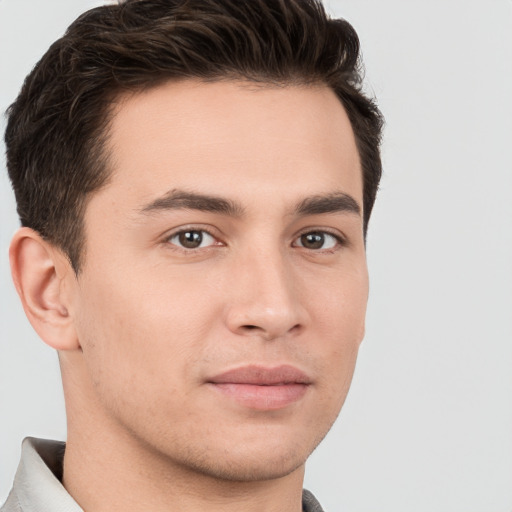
[
  {"x": 191, "y": 239},
  {"x": 313, "y": 240}
]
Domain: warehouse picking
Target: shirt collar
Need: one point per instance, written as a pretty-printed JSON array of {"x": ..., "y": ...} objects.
[{"x": 37, "y": 487}]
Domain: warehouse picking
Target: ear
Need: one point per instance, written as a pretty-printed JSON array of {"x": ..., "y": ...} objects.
[{"x": 43, "y": 278}]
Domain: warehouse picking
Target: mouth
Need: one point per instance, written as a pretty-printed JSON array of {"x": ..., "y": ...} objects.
[{"x": 262, "y": 388}]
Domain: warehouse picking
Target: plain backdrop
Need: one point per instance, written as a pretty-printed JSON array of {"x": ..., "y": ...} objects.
[{"x": 427, "y": 425}]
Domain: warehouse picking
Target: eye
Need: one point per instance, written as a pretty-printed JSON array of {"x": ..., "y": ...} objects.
[
  {"x": 316, "y": 240},
  {"x": 192, "y": 239}
]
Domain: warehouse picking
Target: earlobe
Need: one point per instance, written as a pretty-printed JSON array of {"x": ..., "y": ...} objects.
[{"x": 39, "y": 272}]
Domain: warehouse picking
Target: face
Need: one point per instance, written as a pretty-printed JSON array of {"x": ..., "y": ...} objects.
[{"x": 222, "y": 299}]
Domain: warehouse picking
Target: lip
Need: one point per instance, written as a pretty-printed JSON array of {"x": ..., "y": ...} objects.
[{"x": 262, "y": 388}]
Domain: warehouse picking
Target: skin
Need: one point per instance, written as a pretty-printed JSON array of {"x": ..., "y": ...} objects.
[{"x": 148, "y": 323}]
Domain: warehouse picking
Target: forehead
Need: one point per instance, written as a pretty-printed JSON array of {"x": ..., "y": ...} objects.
[{"x": 224, "y": 138}]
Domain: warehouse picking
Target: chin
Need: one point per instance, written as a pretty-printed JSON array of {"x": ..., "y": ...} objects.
[
  {"x": 249, "y": 469},
  {"x": 265, "y": 458}
]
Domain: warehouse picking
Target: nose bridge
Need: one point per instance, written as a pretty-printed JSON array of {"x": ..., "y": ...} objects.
[{"x": 266, "y": 302}]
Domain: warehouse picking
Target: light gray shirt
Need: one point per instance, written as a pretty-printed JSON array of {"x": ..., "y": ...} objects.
[{"x": 38, "y": 488}]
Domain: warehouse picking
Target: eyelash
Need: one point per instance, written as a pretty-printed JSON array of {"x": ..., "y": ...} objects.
[{"x": 340, "y": 240}]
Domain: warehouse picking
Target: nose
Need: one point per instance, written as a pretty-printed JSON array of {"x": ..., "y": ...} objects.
[{"x": 266, "y": 301}]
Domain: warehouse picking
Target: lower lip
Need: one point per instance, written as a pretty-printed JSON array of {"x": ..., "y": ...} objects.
[{"x": 264, "y": 398}]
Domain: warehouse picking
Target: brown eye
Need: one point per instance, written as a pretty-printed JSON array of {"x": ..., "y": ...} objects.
[
  {"x": 192, "y": 239},
  {"x": 315, "y": 240},
  {"x": 312, "y": 240}
]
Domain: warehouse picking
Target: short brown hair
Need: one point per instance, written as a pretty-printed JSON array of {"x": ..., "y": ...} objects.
[{"x": 58, "y": 125}]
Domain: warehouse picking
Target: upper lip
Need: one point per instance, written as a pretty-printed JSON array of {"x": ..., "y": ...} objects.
[{"x": 262, "y": 376}]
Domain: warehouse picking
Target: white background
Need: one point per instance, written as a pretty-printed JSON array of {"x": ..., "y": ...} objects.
[{"x": 428, "y": 422}]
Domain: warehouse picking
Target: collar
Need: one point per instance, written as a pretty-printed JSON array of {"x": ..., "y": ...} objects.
[{"x": 37, "y": 487}]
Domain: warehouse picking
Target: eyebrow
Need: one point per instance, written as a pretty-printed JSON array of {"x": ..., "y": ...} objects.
[
  {"x": 179, "y": 199},
  {"x": 314, "y": 205},
  {"x": 331, "y": 203}
]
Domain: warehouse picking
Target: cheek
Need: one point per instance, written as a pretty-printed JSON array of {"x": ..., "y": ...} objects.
[
  {"x": 339, "y": 317},
  {"x": 114, "y": 325},
  {"x": 339, "y": 305},
  {"x": 134, "y": 325}
]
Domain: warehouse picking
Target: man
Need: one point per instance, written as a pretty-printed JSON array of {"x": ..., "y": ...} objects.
[{"x": 194, "y": 181}]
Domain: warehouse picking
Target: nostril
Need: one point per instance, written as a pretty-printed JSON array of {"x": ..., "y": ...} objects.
[{"x": 250, "y": 327}]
